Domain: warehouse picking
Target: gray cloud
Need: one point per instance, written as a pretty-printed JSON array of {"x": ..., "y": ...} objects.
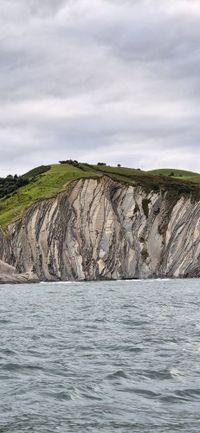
[{"x": 109, "y": 79}]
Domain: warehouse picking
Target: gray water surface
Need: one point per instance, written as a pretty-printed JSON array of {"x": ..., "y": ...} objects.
[{"x": 100, "y": 357}]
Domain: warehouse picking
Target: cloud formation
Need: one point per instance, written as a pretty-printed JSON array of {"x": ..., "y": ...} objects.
[{"x": 112, "y": 80}]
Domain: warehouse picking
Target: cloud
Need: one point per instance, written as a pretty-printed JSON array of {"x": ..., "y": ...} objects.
[{"x": 108, "y": 79}]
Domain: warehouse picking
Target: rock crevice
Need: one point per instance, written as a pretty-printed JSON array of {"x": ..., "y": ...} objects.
[{"x": 101, "y": 229}]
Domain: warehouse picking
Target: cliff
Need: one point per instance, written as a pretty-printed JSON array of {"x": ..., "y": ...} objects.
[{"x": 104, "y": 229}]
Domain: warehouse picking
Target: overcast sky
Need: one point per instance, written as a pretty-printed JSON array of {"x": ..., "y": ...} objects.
[{"x": 99, "y": 80}]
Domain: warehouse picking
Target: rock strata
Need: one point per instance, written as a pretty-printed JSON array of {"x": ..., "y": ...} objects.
[
  {"x": 101, "y": 229},
  {"x": 8, "y": 274}
]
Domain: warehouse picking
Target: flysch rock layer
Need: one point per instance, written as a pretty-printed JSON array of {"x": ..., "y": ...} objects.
[
  {"x": 8, "y": 274},
  {"x": 101, "y": 229}
]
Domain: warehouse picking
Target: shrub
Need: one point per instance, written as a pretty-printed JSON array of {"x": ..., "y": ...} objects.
[{"x": 69, "y": 162}]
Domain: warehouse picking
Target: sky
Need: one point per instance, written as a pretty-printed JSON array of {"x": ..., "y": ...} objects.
[{"x": 116, "y": 81}]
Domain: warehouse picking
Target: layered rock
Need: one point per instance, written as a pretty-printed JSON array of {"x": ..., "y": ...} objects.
[
  {"x": 9, "y": 274},
  {"x": 101, "y": 229}
]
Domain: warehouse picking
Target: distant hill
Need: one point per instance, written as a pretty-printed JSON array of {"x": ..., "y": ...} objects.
[
  {"x": 179, "y": 174},
  {"x": 44, "y": 182}
]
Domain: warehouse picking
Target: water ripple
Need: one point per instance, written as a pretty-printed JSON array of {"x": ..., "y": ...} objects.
[{"x": 108, "y": 357}]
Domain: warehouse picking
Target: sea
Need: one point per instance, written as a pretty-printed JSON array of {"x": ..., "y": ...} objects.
[{"x": 106, "y": 357}]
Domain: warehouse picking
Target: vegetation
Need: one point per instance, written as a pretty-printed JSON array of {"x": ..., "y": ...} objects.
[
  {"x": 44, "y": 182},
  {"x": 152, "y": 180},
  {"x": 36, "y": 172},
  {"x": 178, "y": 174},
  {"x": 11, "y": 183},
  {"x": 42, "y": 186},
  {"x": 70, "y": 162}
]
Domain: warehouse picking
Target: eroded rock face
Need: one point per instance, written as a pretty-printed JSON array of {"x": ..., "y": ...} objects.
[
  {"x": 9, "y": 274},
  {"x": 101, "y": 229}
]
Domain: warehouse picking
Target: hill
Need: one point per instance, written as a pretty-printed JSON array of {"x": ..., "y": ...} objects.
[
  {"x": 18, "y": 193},
  {"x": 179, "y": 174}
]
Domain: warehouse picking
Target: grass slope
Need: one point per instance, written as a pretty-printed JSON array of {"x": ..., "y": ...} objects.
[
  {"x": 155, "y": 179},
  {"x": 179, "y": 174},
  {"x": 47, "y": 182},
  {"x": 44, "y": 186}
]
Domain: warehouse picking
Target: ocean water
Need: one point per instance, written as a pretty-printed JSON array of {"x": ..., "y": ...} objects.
[{"x": 100, "y": 357}]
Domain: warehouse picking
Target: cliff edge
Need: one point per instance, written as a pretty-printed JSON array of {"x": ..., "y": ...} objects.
[{"x": 104, "y": 229}]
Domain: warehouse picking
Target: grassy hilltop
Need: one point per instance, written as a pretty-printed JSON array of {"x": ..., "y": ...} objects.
[{"x": 18, "y": 193}]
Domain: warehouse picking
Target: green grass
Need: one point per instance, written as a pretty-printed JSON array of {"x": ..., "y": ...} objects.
[
  {"x": 45, "y": 186},
  {"x": 123, "y": 174},
  {"x": 155, "y": 179},
  {"x": 49, "y": 183},
  {"x": 179, "y": 174}
]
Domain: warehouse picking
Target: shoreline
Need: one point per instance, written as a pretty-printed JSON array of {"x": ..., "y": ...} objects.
[{"x": 23, "y": 281}]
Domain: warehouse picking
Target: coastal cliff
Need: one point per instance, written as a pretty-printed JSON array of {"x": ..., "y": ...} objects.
[{"x": 103, "y": 229}]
